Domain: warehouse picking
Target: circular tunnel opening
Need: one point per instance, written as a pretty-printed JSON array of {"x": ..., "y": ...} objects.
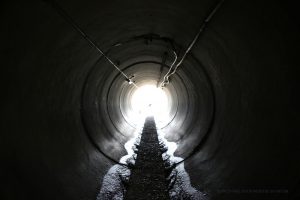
[
  {"x": 113, "y": 108},
  {"x": 149, "y": 100},
  {"x": 57, "y": 90}
]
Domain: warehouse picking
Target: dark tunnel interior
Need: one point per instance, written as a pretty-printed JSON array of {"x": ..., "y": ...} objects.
[{"x": 66, "y": 112}]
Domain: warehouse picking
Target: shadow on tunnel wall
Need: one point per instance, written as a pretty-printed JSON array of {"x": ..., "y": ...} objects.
[{"x": 250, "y": 52}]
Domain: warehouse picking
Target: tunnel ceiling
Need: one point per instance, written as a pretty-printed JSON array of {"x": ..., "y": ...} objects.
[{"x": 65, "y": 108}]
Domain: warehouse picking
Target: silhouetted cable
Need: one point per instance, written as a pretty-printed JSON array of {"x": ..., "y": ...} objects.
[
  {"x": 166, "y": 80},
  {"x": 86, "y": 37},
  {"x": 201, "y": 29},
  {"x": 70, "y": 20}
]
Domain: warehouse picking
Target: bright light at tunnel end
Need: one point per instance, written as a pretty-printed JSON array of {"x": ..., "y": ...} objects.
[{"x": 148, "y": 100}]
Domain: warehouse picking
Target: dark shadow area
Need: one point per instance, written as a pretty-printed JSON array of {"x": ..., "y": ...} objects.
[{"x": 234, "y": 104}]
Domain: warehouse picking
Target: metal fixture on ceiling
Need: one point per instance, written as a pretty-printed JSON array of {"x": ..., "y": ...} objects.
[
  {"x": 129, "y": 79},
  {"x": 70, "y": 20},
  {"x": 201, "y": 29},
  {"x": 172, "y": 70}
]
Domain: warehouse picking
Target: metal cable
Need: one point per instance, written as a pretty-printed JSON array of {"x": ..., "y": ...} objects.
[
  {"x": 69, "y": 19},
  {"x": 170, "y": 72},
  {"x": 201, "y": 29},
  {"x": 166, "y": 77}
]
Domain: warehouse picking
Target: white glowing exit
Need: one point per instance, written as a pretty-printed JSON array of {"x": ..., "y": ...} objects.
[{"x": 149, "y": 100}]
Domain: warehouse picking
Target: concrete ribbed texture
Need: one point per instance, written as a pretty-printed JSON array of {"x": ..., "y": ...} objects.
[{"x": 64, "y": 109}]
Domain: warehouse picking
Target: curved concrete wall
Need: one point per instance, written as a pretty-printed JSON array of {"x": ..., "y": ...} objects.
[{"x": 63, "y": 105}]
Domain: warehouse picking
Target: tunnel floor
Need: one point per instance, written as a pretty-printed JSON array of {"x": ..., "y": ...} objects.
[
  {"x": 148, "y": 180},
  {"x": 149, "y": 170}
]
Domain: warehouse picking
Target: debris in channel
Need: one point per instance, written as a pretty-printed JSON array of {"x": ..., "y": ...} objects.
[
  {"x": 148, "y": 177},
  {"x": 151, "y": 171}
]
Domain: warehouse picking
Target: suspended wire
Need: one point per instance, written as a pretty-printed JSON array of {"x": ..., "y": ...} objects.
[
  {"x": 201, "y": 29},
  {"x": 166, "y": 77},
  {"x": 170, "y": 72},
  {"x": 200, "y": 145},
  {"x": 69, "y": 19}
]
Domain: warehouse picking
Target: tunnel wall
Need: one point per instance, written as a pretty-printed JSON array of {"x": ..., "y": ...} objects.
[
  {"x": 250, "y": 54},
  {"x": 249, "y": 51}
]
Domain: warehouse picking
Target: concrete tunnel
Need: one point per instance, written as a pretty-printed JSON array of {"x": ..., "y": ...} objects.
[{"x": 232, "y": 102}]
